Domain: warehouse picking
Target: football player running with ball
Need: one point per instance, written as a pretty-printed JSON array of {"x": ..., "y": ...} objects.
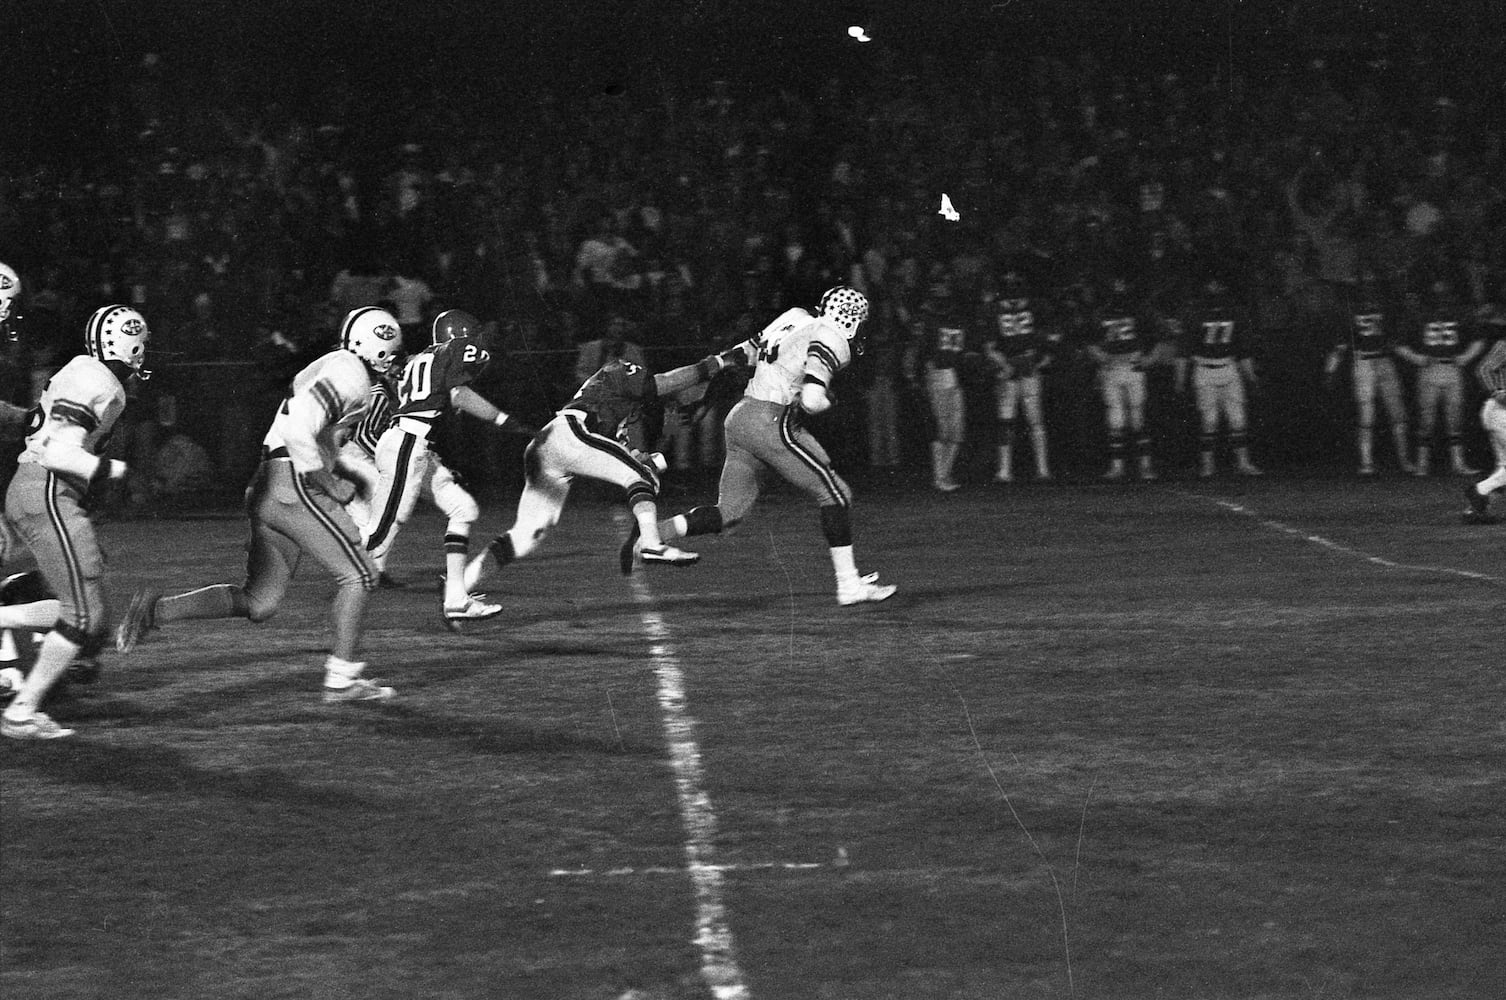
[
  {"x": 296, "y": 507},
  {"x": 589, "y": 437},
  {"x": 433, "y": 381},
  {"x": 798, "y": 355},
  {"x": 1492, "y": 374},
  {"x": 45, "y": 502}
]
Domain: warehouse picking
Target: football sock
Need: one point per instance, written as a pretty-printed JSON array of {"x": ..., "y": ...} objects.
[
  {"x": 647, "y": 516},
  {"x": 1492, "y": 482},
  {"x": 836, "y": 525},
  {"x": 341, "y": 673},
  {"x": 52, "y": 659},
  {"x": 455, "y": 553},
  {"x": 222, "y": 600}
]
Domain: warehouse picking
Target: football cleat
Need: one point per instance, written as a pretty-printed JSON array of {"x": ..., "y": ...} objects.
[
  {"x": 866, "y": 590},
  {"x": 140, "y": 618},
  {"x": 946, "y": 485},
  {"x": 10, "y": 682},
  {"x": 1479, "y": 517},
  {"x": 1478, "y": 504},
  {"x": 360, "y": 689},
  {"x": 668, "y": 555},
  {"x": 84, "y": 670},
  {"x": 39, "y": 727},
  {"x": 473, "y": 610}
]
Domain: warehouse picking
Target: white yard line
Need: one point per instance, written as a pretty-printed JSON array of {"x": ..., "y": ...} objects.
[
  {"x": 713, "y": 937},
  {"x": 762, "y": 866},
  {"x": 1328, "y": 543}
]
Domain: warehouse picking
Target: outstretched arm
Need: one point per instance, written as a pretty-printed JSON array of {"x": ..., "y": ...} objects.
[
  {"x": 468, "y": 400},
  {"x": 677, "y": 380}
]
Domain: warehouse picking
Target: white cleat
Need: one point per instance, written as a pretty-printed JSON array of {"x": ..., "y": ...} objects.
[
  {"x": 667, "y": 555},
  {"x": 360, "y": 689},
  {"x": 866, "y": 591},
  {"x": 473, "y": 610}
]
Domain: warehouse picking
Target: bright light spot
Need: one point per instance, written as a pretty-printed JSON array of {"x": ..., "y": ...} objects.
[
  {"x": 856, "y": 31},
  {"x": 947, "y": 211}
]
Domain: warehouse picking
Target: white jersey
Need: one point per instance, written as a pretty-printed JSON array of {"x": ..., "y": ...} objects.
[
  {"x": 84, "y": 393},
  {"x": 795, "y": 345},
  {"x": 325, "y": 403}
]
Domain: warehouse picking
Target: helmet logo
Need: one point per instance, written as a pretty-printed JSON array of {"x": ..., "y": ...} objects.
[{"x": 384, "y": 331}]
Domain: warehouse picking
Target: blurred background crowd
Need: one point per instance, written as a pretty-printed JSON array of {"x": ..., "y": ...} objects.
[{"x": 681, "y": 213}]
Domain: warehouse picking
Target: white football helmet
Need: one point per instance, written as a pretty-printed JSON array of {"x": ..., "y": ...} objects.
[
  {"x": 118, "y": 333},
  {"x": 372, "y": 335},
  {"x": 10, "y": 287},
  {"x": 846, "y": 307}
]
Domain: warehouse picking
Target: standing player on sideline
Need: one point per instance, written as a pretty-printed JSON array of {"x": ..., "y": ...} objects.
[
  {"x": 1492, "y": 374},
  {"x": 434, "y": 380},
  {"x": 798, "y": 356},
  {"x": 1019, "y": 348},
  {"x": 1122, "y": 345},
  {"x": 1441, "y": 344},
  {"x": 1369, "y": 342},
  {"x": 44, "y": 505},
  {"x": 1216, "y": 350},
  {"x": 941, "y": 329},
  {"x": 589, "y": 438},
  {"x": 295, "y": 504}
]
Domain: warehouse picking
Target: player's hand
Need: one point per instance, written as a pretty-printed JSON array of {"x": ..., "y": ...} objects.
[
  {"x": 339, "y": 490},
  {"x": 512, "y": 425}
]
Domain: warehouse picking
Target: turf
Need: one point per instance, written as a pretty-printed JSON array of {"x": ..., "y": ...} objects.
[{"x": 1184, "y": 740}]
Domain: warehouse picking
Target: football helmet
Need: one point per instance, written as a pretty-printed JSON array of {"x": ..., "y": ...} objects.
[
  {"x": 1013, "y": 286},
  {"x": 454, "y": 323},
  {"x": 118, "y": 333},
  {"x": 24, "y": 588},
  {"x": 10, "y": 287},
  {"x": 845, "y": 306},
  {"x": 372, "y": 335}
]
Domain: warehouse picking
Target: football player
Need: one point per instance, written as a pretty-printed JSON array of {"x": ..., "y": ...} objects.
[
  {"x": 1123, "y": 346},
  {"x": 941, "y": 341},
  {"x": 1441, "y": 344},
  {"x": 590, "y": 437},
  {"x": 1216, "y": 355},
  {"x": 45, "y": 502},
  {"x": 1492, "y": 375},
  {"x": 12, "y": 417},
  {"x": 1019, "y": 348},
  {"x": 433, "y": 381},
  {"x": 797, "y": 356},
  {"x": 296, "y": 507},
  {"x": 1368, "y": 340}
]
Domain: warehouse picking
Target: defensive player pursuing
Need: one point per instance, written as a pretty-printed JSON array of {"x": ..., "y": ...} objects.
[
  {"x": 941, "y": 340},
  {"x": 1369, "y": 341},
  {"x": 434, "y": 380},
  {"x": 295, "y": 504},
  {"x": 1492, "y": 374},
  {"x": 1216, "y": 355},
  {"x": 1123, "y": 346},
  {"x": 1441, "y": 344},
  {"x": 798, "y": 355},
  {"x": 589, "y": 438},
  {"x": 1019, "y": 348},
  {"x": 44, "y": 505}
]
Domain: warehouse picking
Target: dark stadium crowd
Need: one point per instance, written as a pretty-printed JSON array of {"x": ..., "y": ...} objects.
[{"x": 690, "y": 217}]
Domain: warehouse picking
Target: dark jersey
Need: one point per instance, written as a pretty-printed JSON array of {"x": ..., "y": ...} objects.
[
  {"x": 613, "y": 398},
  {"x": 1443, "y": 334},
  {"x": 1120, "y": 332},
  {"x": 1016, "y": 333},
  {"x": 1216, "y": 330},
  {"x": 1369, "y": 333},
  {"x": 423, "y": 392},
  {"x": 945, "y": 339}
]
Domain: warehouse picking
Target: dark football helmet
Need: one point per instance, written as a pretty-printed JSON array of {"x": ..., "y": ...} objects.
[{"x": 454, "y": 323}]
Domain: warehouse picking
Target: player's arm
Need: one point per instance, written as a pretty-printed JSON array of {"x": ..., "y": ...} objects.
[
  {"x": 68, "y": 426},
  {"x": 677, "y": 380},
  {"x": 821, "y": 366},
  {"x": 1473, "y": 351},
  {"x": 468, "y": 400}
]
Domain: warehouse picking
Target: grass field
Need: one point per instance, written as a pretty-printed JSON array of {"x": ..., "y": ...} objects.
[{"x": 1228, "y": 740}]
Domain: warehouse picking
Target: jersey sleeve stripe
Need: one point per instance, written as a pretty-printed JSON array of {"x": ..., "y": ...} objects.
[
  {"x": 327, "y": 398},
  {"x": 823, "y": 354},
  {"x": 74, "y": 413}
]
